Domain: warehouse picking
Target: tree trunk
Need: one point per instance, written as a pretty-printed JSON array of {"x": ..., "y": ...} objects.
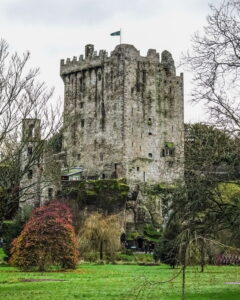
[
  {"x": 184, "y": 282},
  {"x": 184, "y": 264},
  {"x": 101, "y": 250},
  {"x": 202, "y": 256}
]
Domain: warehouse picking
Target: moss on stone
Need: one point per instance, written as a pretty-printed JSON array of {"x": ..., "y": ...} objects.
[
  {"x": 106, "y": 194},
  {"x": 142, "y": 159},
  {"x": 91, "y": 193},
  {"x": 132, "y": 235}
]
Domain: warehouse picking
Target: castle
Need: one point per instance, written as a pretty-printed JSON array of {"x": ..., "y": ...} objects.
[
  {"x": 123, "y": 115},
  {"x": 123, "y": 118}
]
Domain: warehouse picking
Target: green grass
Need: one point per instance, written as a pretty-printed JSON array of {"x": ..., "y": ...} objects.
[{"x": 91, "y": 281}]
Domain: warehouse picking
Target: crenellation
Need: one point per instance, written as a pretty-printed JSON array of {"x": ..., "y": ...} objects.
[{"x": 152, "y": 54}]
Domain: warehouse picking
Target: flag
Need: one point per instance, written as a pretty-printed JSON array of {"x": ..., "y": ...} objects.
[{"x": 116, "y": 33}]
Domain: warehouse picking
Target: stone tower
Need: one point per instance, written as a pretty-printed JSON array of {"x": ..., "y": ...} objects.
[
  {"x": 123, "y": 115},
  {"x": 30, "y": 163}
]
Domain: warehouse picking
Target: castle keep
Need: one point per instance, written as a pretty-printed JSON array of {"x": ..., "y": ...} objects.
[{"x": 123, "y": 115}]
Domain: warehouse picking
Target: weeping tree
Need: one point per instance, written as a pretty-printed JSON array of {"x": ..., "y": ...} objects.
[{"x": 100, "y": 233}]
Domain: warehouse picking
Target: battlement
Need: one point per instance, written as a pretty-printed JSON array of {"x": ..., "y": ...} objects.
[{"x": 93, "y": 59}]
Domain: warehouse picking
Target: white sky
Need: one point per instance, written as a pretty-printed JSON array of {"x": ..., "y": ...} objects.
[{"x": 55, "y": 29}]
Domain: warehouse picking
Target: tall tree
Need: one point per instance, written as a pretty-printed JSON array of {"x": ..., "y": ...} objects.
[
  {"x": 215, "y": 63},
  {"x": 22, "y": 97}
]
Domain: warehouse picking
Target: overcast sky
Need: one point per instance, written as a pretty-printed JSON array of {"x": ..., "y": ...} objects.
[{"x": 55, "y": 29}]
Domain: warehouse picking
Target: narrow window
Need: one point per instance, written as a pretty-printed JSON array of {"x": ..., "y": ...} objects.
[
  {"x": 103, "y": 176},
  {"x": 79, "y": 156},
  {"x": 138, "y": 169},
  {"x": 149, "y": 133},
  {"x": 30, "y": 174},
  {"x": 138, "y": 79},
  {"x": 132, "y": 130},
  {"x": 171, "y": 152},
  {"x": 132, "y": 144},
  {"x": 140, "y": 148},
  {"x": 82, "y": 123},
  {"x": 144, "y": 76},
  {"x": 50, "y": 193},
  {"x": 30, "y": 130},
  {"x": 81, "y": 84},
  {"x": 150, "y": 155},
  {"x": 73, "y": 133},
  {"x": 30, "y": 151},
  {"x": 144, "y": 176},
  {"x": 163, "y": 153},
  {"x": 81, "y": 104}
]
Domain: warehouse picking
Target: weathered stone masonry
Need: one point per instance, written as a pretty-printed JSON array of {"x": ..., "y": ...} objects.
[{"x": 123, "y": 115}]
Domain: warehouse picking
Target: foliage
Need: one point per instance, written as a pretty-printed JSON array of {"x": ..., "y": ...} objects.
[
  {"x": 209, "y": 202},
  {"x": 167, "y": 249},
  {"x": 132, "y": 235},
  {"x": 151, "y": 234},
  {"x": 100, "y": 233},
  {"x": 134, "y": 258},
  {"x": 11, "y": 229},
  {"x": 211, "y": 151},
  {"x": 47, "y": 239},
  {"x": 55, "y": 142}
]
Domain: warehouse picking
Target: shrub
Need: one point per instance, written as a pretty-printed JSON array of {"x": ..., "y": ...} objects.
[
  {"x": 167, "y": 249},
  {"x": 48, "y": 238},
  {"x": 11, "y": 229}
]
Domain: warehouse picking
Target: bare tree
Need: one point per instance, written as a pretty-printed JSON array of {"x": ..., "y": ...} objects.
[
  {"x": 215, "y": 63},
  {"x": 22, "y": 97}
]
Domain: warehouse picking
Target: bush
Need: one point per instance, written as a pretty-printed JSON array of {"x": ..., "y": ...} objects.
[
  {"x": 134, "y": 258},
  {"x": 47, "y": 239},
  {"x": 12, "y": 229},
  {"x": 167, "y": 249}
]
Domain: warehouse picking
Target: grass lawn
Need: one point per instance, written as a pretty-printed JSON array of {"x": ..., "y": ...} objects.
[{"x": 91, "y": 281}]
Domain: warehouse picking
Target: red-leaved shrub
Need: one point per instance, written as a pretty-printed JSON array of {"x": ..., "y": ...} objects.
[{"x": 47, "y": 239}]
